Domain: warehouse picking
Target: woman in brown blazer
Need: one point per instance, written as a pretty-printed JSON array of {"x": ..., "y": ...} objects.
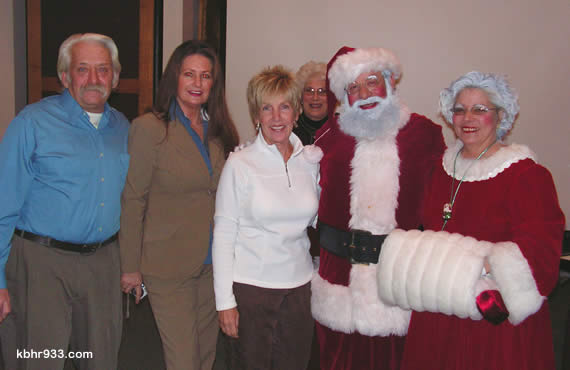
[{"x": 177, "y": 153}]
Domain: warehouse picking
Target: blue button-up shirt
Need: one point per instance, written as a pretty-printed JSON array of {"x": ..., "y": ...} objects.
[
  {"x": 202, "y": 146},
  {"x": 59, "y": 175}
]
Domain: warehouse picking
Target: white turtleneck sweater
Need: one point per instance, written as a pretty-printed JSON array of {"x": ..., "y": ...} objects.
[{"x": 263, "y": 207}]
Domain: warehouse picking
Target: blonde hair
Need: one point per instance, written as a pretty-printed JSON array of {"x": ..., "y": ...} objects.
[
  {"x": 272, "y": 81},
  {"x": 311, "y": 69}
]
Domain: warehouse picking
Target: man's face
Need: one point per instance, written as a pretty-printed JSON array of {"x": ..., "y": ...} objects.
[
  {"x": 90, "y": 75},
  {"x": 367, "y": 84},
  {"x": 370, "y": 112}
]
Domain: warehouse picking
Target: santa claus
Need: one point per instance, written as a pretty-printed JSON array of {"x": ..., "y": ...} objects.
[{"x": 376, "y": 157}]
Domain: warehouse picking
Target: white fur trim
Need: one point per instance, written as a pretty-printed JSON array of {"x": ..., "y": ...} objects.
[
  {"x": 241, "y": 146},
  {"x": 356, "y": 307},
  {"x": 374, "y": 183},
  {"x": 515, "y": 280},
  {"x": 347, "y": 67},
  {"x": 485, "y": 283},
  {"x": 312, "y": 153},
  {"x": 331, "y": 305},
  {"x": 486, "y": 168},
  {"x": 432, "y": 271}
]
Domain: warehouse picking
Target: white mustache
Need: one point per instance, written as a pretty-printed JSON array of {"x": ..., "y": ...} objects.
[
  {"x": 99, "y": 88},
  {"x": 370, "y": 100}
]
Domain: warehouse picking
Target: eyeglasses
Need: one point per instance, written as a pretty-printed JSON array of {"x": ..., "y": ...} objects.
[
  {"x": 477, "y": 110},
  {"x": 309, "y": 91},
  {"x": 372, "y": 82}
]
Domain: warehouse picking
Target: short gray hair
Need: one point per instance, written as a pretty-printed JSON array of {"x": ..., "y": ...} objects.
[
  {"x": 498, "y": 90},
  {"x": 64, "y": 57},
  {"x": 309, "y": 70}
]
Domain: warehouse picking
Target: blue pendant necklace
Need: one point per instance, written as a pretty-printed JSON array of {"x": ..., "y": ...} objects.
[{"x": 448, "y": 207}]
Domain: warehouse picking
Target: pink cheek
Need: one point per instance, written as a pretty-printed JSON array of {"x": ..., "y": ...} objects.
[
  {"x": 382, "y": 92},
  {"x": 489, "y": 120}
]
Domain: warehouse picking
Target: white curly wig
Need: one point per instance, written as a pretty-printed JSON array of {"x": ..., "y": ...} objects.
[
  {"x": 497, "y": 88},
  {"x": 308, "y": 70}
]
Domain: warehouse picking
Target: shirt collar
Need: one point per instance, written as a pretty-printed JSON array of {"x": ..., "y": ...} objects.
[
  {"x": 293, "y": 139},
  {"x": 73, "y": 109},
  {"x": 176, "y": 113}
]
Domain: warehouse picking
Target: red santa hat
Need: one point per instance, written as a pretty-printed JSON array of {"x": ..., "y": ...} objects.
[{"x": 348, "y": 63}]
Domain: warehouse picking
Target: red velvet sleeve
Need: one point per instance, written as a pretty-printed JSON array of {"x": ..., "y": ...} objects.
[{"x": 537, "y": 224}]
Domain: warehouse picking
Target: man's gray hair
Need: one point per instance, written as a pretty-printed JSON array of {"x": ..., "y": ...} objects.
[
  {"x": 64, "y": 57},
  {"x": 498, "y": 90}
]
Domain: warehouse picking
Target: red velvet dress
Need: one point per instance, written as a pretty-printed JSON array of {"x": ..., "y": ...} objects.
[
  {"x": 515, "y": 202},
  {"x": 419, "y": 143}
]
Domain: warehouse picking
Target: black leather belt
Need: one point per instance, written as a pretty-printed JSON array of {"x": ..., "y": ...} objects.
[
  {"x": 71, "y": 247},
  {"x": 356, "y": 245}
]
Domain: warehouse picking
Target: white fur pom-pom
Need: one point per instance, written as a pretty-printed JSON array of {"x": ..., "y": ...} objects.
[
  {"x": 312, "y": 153},
  {"x": 242, "y": 146}
]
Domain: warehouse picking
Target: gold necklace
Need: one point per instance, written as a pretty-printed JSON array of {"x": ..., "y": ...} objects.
[{"x": 448, "y": 207}]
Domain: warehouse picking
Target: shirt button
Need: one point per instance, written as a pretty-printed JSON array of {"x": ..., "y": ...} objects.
[
  {"x": 102, "y": 204},
  {"x": 102, "y": 179},
  {"x": 100, "y": 155},
  {"x": 100, "y": 229},
  {"x": 209, "y": 192}
]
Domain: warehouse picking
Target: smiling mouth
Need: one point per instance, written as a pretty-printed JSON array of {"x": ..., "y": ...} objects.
[
  {"x": 469, "y": 129},
  {"x": 195, "y": 93},
  {"x": 315, "y": 106},
  {"x": 277, "y": 128},
  {"x": 368, "y": 106}
]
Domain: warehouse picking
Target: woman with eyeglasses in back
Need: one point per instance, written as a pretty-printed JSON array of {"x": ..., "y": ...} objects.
[{"x": 311, "y": 79}]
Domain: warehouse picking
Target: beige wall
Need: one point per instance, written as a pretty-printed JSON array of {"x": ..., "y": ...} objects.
[
  {"x": 436, "y": 41},
  {"x": 172, "y": 27}
]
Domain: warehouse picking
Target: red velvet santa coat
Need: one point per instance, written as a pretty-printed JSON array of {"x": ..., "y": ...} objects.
[
  {"x": 507, "y": 211},
  {"x": 374, "y": 185}
]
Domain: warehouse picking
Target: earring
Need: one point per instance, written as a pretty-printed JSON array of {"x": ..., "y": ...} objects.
[{"x": 258, "y": 126}]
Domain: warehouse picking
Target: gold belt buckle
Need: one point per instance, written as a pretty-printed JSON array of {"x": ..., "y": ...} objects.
[{"x": 352, "y": 247}]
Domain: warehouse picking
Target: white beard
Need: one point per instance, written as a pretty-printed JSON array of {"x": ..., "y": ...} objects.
[{"x": 370, "y": 123}]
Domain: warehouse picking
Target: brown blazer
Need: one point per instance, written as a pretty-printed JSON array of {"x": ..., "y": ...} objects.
[{"x": 168, "y": 200}]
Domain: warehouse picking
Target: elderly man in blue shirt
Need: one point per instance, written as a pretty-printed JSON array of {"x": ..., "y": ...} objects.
[{"x": 63, "y": 163}]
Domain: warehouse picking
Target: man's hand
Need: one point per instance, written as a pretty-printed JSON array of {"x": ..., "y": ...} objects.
[
  {"x": 5, "y": 307},
  {"x": 229, "y": 321},
  {"x": 130, "y": 281}
]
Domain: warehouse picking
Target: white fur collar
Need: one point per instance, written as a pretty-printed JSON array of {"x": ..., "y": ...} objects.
[{"x": 486, "y": 168}]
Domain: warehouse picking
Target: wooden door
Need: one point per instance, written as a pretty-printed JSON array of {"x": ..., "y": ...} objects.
[{"x": 134, "y": 25}]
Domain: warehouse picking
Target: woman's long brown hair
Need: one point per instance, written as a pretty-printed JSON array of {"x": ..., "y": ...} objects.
[{"x": 220, "y": 124}]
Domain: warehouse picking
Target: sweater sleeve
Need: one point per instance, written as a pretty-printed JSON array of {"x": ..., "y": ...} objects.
[
  {"x": 144, "y": 137},
  {"x": 226, "y": 222}
]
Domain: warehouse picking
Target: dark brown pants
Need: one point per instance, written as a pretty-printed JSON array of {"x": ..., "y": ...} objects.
[
  {"x": 275, "y": 328},
  {"x": 62, "y": 300}
]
